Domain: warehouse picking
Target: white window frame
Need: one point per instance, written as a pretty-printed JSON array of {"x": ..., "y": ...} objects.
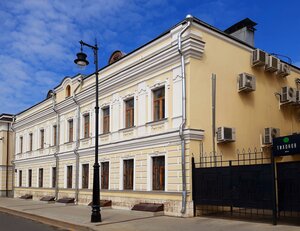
[
  {"x": 39, "y": 138},
  {"x": 104, "y": 106},
  {"x": 109, "y": 173},
  {"x": 66, "y": 176},
  {"x": 150, "y": 170},
  {"x": 80, "y": 175},
  {"x": 82, "y": 125},
  {"x": 121, "y": 182},
  {"x": 68, "y": 127},
  {"x": 158, "y": 85}
]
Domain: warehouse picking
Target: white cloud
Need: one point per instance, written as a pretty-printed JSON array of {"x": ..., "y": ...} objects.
[{"x": 41, "y": 40}]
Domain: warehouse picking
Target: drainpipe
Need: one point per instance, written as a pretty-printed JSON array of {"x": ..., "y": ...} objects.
[
  {"x": 213, "y": 83},
  {"x": 57, "y": 144},
  {"x": 7, "y": 156},
  {"x": 189, "y": 19},
  {"x": 12, "y": 162},
  {"x": 77, "y": 141}
]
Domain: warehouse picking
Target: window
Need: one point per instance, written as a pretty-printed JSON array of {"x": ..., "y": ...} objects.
[
  {"x": 105, "y": 112},
  {"x": 30, "y": 178},
  {"x": 104, "y": 175},
  {"x": 53, "y": 177},
  {"x": 85, "y": 175},
  {"x": 158, "y": 170},
  {"x": 54, "y": 135},
  {"x": 30, "y": 142},
  {"x": 21, "y": 144},
  {"x": 128, "y": 174},
  {"x": 129, "y": 113},
  {"x": 69, "y": 176},
  {"x": 159, "y": 104},
  {"x": 41, "y": 177},
  {"x": 86, "y": 119},
  {"x": 20, "y": 178},
  {"x": 68, "y": 91},
  {"x": 70, "y": 130},
  {"x": 42, "y": 133}
]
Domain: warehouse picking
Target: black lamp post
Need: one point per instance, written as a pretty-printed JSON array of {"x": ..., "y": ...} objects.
[{"x": 81, "y": 61}]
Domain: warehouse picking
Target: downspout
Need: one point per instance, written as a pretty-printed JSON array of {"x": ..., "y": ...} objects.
[
  {"x": 57, "y": 145},
  {"x": 213, "y": 83},
  {"x": 13, "y": 164},
  {"x": 7, "y": 156},
  {"x": 189, "y": 19},
  {"x": 77, "y": 141}
]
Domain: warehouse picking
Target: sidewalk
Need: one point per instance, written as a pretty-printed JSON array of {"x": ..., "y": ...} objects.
[{"x": 77, "y": 217}]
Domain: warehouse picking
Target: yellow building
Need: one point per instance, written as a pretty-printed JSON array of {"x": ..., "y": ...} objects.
[
  {"x": 192, "y": 90},
  {"x": 6, "y": 154}
]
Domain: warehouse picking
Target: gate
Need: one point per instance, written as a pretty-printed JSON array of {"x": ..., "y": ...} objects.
[
  {"x": 247, "y": 187},
  {"x": 288, "y": 177},
  {"x": 242, "y": 187}
]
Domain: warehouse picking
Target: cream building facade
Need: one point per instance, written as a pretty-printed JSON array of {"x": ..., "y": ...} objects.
[
  {"x": 6, "y": 154},
  {"x": 155, "y": 115}
]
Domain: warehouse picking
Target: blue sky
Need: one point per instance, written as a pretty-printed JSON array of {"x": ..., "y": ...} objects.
[{"x": 39, "y": 38}]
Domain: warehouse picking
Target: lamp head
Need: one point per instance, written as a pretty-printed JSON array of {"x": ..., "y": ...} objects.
[{"x": 81, "y": 60}]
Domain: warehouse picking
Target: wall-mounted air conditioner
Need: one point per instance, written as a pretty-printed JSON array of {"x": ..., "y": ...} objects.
[
  {"x": 225, "y": 134},
  {"x": 259, "y": 58},
  {"x": 269, "y": 134},
  {"x": 246, "y": 82},
  {"x": 284, "y": 70},
  {"x": 288, "y": 95},
  {"x": 272, "y": 64}
]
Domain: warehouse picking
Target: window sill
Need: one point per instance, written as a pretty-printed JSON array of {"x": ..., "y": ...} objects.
[
  {"x": 85, "y": 139},
  {"x": 157, "y": 121},
  {"x": 127, "y": 129},
  {"x": 69, "y": 142},
  {"x": 104, "y": 134}
]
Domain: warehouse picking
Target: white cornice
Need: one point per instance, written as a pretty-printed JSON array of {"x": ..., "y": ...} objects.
[{"x": 142, "y": 143}]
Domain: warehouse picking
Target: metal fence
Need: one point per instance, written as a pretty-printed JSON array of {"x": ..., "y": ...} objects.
[{"x": 246, "y": 186}]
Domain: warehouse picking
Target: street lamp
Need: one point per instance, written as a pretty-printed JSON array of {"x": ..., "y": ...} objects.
[{"x": 82, "y": 62}]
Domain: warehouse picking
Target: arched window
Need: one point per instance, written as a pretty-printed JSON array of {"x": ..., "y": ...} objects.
[{"x": 68, "y": 91}]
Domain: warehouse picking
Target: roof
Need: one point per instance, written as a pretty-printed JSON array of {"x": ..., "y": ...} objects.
[
  {"x": 247, "y": 22},
  {"x": 6, "y": 117}
]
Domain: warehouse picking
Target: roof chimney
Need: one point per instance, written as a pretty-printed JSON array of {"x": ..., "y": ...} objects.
[{"x": 243, "y": 30}]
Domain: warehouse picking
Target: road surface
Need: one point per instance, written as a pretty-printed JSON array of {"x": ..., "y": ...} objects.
[{"x": 14, "y": 223}]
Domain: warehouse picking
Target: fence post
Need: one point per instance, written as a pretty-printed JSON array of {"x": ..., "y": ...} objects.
[
  {"x": 193, "y": 185},
  {"x": 230, "y": 169},
  {"x": 273, "y": 163}
]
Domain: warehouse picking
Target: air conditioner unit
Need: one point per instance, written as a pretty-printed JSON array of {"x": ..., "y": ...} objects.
[
  {"x": 225, "y": 134},
  {"x": 284, "y": 70},
  {"x": 288, "y": 95},
  {"x": 269, "y": 134},
  {"x": 272, "y": 64},
  {"x": 246, "y": 82},
  {"x": 259, "y": 58}
]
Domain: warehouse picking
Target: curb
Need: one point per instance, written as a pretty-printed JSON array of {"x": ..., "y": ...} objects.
[{"x": 46, "y": 220}]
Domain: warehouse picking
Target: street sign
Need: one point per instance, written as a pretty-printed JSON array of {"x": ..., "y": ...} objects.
[{"x": 286, "y": 145}]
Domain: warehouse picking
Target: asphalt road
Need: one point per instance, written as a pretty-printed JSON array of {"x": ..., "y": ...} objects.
[{"x": 14, "y": 223}]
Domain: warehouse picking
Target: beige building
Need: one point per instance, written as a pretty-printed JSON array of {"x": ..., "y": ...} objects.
[
  {"x": 6, "y": 154},
  {"x": 193, "y": 90}
]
